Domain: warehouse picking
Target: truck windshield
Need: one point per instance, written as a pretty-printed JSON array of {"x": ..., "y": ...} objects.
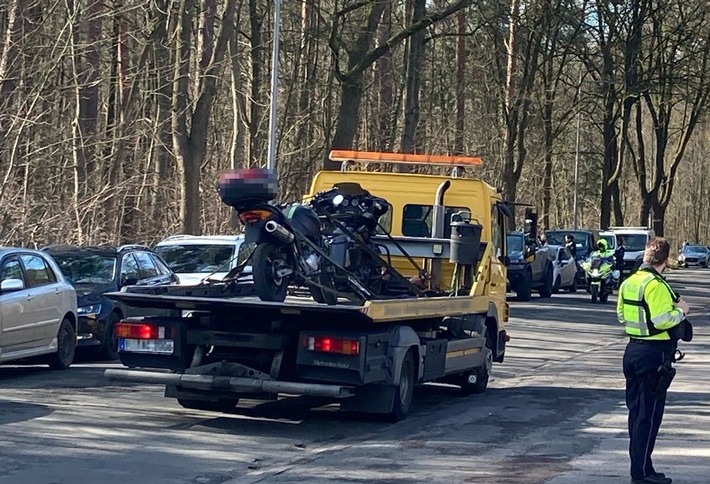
[
  {"x": 191, "y": 258},
  {"x": 557, "y": 237},
  {"x": 515, "y": 243},
  {"x": 634, "y": 242}
]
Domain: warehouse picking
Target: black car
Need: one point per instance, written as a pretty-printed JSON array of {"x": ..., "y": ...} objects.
[
  {"x": 585, "y": 240},
  {"x": 96, "y": 270}
]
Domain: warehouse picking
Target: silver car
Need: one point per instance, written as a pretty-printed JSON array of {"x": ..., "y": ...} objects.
[{"x": 38, "y": 311}]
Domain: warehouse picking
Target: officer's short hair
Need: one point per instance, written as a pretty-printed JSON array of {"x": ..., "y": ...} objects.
[{"x": 657, "y": 251}]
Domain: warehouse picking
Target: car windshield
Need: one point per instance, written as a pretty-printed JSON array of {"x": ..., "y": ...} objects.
[
  {"x": 634, "y": 242},
  {"x": 87, "y": 268},
  {"x": 189, "y": 258},
  {"x": 695, "y": 249},
  {"x": 515, "y": 243},
  {"x": 557, "y": 237}
]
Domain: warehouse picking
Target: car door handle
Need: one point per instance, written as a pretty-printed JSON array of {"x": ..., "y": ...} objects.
[{"x": 30, "y": 297}]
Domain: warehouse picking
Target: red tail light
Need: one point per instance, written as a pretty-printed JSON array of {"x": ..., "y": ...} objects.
[
  {"x": 327, "y": 344},
  {"x": 139, "y": 330},
  {"x": 254, "y": 216}
]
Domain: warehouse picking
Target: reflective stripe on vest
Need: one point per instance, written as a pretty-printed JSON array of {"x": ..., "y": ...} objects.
[{"x": 635, "y": 312}]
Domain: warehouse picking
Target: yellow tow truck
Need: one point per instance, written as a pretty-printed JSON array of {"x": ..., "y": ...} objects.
[{"x": 221, "y": 343}]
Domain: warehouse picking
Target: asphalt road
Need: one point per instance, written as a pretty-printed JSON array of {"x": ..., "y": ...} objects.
[{"x": 554, "y": 414}]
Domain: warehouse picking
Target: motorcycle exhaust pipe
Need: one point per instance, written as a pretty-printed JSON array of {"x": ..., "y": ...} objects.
[{"x": 279, "y": 231}]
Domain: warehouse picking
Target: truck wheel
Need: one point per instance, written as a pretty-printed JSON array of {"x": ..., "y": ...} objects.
[
  {"x": 220, "y": 405},
  {"x": 109, "y": 342},
  {"x": 595, "y": 293},
  {"x": 266, "y": 260},
  {"x": 404, "y": 390},
  {"x": 524, "y": 289},
  {"x": 547, "y": 284},
  {"x": 476, "y": 380},
  {"x": 66, "y": 346}
]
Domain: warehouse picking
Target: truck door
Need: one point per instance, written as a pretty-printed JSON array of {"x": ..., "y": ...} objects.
[{"x": 499, "y": 227}]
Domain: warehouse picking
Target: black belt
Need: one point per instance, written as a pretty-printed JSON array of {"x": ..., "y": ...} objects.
[{"x": 657, "y": 342}]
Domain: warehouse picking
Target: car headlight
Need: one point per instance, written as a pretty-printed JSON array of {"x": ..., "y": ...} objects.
[{"x": 88, "y": 310}]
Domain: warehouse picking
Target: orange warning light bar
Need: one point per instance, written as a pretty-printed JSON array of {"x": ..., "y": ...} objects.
[{"x": 403, "y": 158}]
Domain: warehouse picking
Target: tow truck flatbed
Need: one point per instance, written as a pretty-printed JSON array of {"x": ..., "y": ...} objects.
[{"x": 374, "y": 311}]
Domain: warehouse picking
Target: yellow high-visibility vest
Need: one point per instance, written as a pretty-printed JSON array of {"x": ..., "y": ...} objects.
[{"x": 646, "y": 306}]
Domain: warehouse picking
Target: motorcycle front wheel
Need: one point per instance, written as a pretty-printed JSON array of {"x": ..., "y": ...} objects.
[
  {"x": 325, "y": 278},
  {"x": 595, "y": 292},
  {"x": 267, "y": 260}
]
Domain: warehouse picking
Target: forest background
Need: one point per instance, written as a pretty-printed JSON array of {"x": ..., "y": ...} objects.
[{"x": 116, "y": 116}]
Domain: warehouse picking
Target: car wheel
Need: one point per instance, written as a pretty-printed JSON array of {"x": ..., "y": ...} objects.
[
  {"x": 66, "y": 347},
  {"x": 575, "y": 283},
  {"x": 556, "y": 285},
  {"x": 109, "y": 342}
]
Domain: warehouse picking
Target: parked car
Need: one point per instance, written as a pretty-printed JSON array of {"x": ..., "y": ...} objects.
[
  {"x": 530, "y": 266},
  {"x": 96, "y": 270},
  {"x": 196, "y": 258},
  {"x": 694, "y": 255},
  {"x": 564, "y": 270},
  {"x": 38, "y": 313}
]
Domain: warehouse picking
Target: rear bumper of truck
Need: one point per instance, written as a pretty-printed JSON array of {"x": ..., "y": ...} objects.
[{"x": 230, "y": 384}]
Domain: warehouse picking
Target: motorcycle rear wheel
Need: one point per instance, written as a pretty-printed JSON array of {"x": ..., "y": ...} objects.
[{"x": 266, "y": 260}]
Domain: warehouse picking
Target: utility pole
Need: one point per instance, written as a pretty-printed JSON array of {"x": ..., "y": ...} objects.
[
  {"x": 576, "y": 155},
  {"x": 271, "y": 158}
]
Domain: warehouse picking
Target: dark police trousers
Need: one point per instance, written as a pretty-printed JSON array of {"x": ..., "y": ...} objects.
[{"x": 646, "y": 389}]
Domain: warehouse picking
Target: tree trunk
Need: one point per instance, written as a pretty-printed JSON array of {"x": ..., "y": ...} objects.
[
  {"x": 385, "y": 79},
  {"x": 414, "y": 68},
  {"x": 460, "y": 83}
]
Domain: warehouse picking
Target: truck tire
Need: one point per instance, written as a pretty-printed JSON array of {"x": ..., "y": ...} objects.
[
  {"x": 266, "y": 259},
  {"x": 404, "y": 390},
  {"x": 524, "y": 289},
  {"x": 109, "y": 342},
  {"x": 66, "y": 346},
  {"x": 220, "y": 405},
  {"x": 547, "y": 284},
  {"x": 476, "y": 380}
]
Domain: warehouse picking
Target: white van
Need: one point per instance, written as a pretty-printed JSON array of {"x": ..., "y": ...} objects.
[
  {"x": 195, "y": 258},
  {"x": 634, "y": 240}
]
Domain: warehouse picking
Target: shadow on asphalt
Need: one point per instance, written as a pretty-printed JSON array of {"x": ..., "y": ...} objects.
[{"x": 12, "y": 411}]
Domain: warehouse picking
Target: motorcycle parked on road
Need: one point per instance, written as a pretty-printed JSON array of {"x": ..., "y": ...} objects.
[
  {"x": 286, "y": 236},
  {"x": 601, "y": 277}
]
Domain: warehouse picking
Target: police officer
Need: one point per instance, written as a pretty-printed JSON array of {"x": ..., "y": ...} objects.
[{"x": 652, "y": 314}]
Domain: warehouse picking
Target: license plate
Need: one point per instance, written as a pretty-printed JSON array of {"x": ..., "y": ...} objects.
[{"x": 158, "y": 346}]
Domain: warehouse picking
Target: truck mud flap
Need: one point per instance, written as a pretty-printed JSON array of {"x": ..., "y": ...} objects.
[{"x": 232, "y": 384}]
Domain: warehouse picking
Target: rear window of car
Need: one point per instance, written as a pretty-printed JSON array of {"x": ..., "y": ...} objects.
[
  {"x": 197, "y": 258},
  {"x": 87, "y": 268}
]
